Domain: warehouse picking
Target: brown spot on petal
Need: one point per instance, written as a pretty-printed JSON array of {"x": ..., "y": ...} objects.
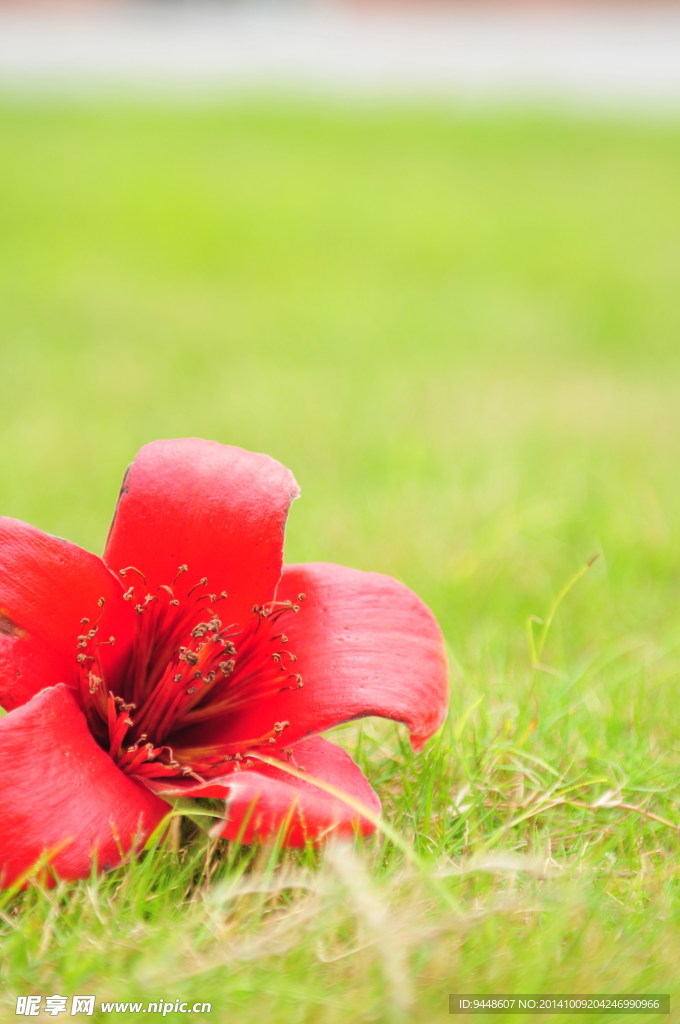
[{"x": 7, "y": 627}]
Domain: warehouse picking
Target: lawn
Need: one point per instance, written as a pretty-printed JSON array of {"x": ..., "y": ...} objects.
[{"x": 462, "y": 333}]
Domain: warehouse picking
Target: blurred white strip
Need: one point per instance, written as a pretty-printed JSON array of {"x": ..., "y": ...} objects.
[{"x": 625, "y": 57}]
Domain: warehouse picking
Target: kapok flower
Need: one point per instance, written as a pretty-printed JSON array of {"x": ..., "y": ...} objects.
[{"x": 171, "y": 666}]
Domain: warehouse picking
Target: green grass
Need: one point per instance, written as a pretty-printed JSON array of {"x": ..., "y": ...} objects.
[{"x": 462, "y": 332}]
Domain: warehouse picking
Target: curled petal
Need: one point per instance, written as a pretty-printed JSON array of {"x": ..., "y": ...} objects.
[
  {"x": 47, "y": 585},
  {"x": 217, "y": 509},
  {"x": 264, "y": 801},
  {"x": 64, "y": 799}
]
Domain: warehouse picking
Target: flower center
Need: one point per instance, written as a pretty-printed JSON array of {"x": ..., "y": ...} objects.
[{"x": 185, "y": 668}]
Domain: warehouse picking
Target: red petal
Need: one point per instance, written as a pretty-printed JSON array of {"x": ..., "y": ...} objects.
[
  {"x": 365, "y": 645},
  {"x": 218, "y": 509},
  {"x": 62, "y": 795},
  {"x": 261, "y": 799},
  {"x": 46, "y": 586}
]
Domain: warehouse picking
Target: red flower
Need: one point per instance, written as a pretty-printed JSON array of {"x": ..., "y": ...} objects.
[{"x": 170, "y": 666}]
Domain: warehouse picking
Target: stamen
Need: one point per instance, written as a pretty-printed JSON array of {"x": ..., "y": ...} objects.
[
  {"x": 169, "y": 686},
  {"x": 132, "y": 568},
  {"x": 203, "y": 582}
]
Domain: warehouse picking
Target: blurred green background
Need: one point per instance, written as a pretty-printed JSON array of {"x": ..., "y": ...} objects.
[{"x": 462, "y": 333}]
